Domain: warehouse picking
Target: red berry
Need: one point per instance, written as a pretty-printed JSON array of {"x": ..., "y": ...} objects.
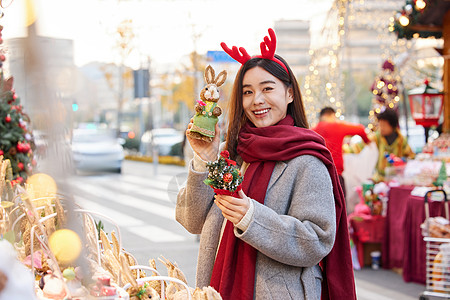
[
  {"x": 8, "y": 118},
  {"x": 1, "y": 152},
  {"x": 20, "y": 166},
  {"x": 227, "y": 177},
  {"x": 19, "y": 179}
]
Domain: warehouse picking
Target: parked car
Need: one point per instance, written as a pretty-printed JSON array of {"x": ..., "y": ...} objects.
[
  {"x": 163, "y": 138},
  {"x": 97, "y": 150}
]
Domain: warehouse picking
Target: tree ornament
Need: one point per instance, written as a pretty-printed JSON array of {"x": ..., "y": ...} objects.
[
  {"x": 8, "y": 119},
  {"x": 207, "y": 111},
  {"x": 20, "y": 166},
  {"x": 19, "y": 147},
  {"x": 228, "y": 177},
  {"x": 1, "y": 152}
]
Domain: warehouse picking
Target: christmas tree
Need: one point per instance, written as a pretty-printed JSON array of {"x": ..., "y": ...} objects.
[
  {"x": 442, "y": 177},
  {"x": 385, "y": 92},
  {"x": 15, "y": 135},
  {"x": 224, "y": 177}
]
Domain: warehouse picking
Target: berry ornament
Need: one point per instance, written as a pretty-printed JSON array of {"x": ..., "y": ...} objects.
[
  {"x": 20, "y": 166},
  {"x": 228, "y": 177},
  {"x": 8, "y": 119}
]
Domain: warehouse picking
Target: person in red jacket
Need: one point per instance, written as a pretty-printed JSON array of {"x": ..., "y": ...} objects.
[{"x": 334, "y": 131}]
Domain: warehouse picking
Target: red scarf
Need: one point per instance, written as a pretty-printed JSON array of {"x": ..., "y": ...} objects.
[{"x": 234, "y": 270}]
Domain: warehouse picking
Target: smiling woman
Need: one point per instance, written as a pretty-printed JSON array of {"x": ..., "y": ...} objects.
[{"x": 290, "y": 195}]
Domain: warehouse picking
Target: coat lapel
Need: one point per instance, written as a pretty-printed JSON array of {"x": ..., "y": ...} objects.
[{"x": 277, "y": 171}]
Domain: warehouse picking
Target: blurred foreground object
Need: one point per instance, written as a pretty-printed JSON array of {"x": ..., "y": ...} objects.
[{"x": 16, "y": 282}]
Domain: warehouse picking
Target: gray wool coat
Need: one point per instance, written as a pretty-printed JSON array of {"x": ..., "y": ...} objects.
[{"x": 292, "y": 231}]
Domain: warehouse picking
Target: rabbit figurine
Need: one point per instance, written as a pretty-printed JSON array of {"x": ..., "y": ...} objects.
[{"x": 207, "y": 110}]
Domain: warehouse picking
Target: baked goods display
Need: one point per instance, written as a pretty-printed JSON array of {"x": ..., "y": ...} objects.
[{"x": 437, "y": 227}]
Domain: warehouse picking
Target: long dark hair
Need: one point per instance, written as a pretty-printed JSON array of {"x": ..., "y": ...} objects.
[{"x": 236, "y": 114}]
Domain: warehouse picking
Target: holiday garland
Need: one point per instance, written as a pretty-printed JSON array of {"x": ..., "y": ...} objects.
[
  {"x": 224, "y": 177},
  {"x": 404, "y": 20}
]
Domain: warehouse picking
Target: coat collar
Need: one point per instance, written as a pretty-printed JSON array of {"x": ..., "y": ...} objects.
[{"x": 277, "y": 171}]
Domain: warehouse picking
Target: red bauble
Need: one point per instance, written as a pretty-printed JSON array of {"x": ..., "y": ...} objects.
[
  {"x": 20, "y": 166},
  {"x": 23, "y": 147},
  {"x": 19, "y": 179},
  {"x": 227, "y": 177},
  {"x": 8, "y": 119},
  {"x": 1, "y": 152}
]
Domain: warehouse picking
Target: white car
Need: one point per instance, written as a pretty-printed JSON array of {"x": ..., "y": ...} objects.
[
  {"x": 97, "y": 150},
  {"x": 163, "y": 138}
]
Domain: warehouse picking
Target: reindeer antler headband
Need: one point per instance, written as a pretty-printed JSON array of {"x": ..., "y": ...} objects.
[{"x": 267, "y": 51}]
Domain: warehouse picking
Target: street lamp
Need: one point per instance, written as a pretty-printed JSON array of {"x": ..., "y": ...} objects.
[{"x": 426, "y": 106}]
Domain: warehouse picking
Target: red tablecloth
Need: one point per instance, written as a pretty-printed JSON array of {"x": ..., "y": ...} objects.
[
  {"x": 394, "y": 238},
  {"x": 414, "y": 268},
  {"x": 366, "y": 231},
  {"x": 403, "y": 245}
]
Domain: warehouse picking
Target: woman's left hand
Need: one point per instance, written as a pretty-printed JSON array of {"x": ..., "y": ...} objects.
[{"x": 233, "y": 209}]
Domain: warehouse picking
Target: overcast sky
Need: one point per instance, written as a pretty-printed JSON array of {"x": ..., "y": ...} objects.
[{"x": 164, "y": 29}]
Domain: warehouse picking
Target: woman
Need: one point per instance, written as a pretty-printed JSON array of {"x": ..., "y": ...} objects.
[
  {"x": 268, "y": 243},
  {"x": 389, "y": 140}
]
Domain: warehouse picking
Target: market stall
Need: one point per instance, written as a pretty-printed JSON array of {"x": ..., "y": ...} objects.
[{"x": 397, "y": 230}]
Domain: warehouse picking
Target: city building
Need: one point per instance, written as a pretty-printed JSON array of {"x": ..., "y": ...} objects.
[{"x": 293, "y": 44}]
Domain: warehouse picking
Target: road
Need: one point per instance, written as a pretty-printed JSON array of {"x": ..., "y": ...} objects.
[{"x": 142, "y": 203}]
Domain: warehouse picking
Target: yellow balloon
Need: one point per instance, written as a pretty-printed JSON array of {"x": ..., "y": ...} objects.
[
  {"x": 65, "y": 245},
  {"x": 42, "y": 185}
]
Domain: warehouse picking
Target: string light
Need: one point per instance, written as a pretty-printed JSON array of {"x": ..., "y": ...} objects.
[
  {"x": 403, "y": 20},
  {"x": 420, "y": 4},
  {"x": 324, "y": 85}
]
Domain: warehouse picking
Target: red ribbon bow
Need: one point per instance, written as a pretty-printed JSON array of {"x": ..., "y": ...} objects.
[{"x": 226, "y": 155}]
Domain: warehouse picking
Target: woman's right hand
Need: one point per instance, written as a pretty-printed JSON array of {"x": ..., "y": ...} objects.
[{"x": 207, "y": 151}]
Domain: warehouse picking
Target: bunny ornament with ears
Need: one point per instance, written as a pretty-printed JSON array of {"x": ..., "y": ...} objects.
[{"x": 207, "y": 110}]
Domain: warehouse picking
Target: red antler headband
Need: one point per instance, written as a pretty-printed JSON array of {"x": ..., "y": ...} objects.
[{"x": 267, "y": 51}]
